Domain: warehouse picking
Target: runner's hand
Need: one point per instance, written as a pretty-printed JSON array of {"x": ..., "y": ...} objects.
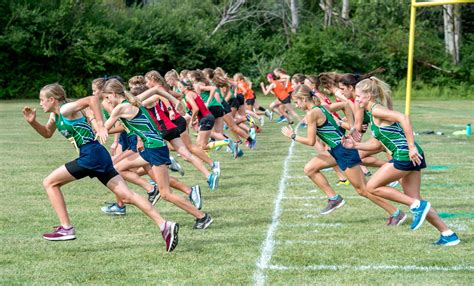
[
  {"x": 415, "y": 157},
  {"x": 101, "y": 134},
  {"x": 287, "y": 131},
  {"x": 29, "y": 114},
  {"x": 348, "y": 142}
]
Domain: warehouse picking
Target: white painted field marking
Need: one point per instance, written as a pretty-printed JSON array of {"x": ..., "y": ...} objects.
[
  {"x": 363, "y": 198},
  {"x": 374, "y": 267},
  {"x": 314, "y": 225},
  {"x": 259, "y": 276}
]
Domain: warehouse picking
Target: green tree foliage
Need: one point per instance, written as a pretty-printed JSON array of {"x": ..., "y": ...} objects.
[{"x": 73, "y": 42}]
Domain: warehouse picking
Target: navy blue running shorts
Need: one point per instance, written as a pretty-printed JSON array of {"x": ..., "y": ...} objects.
[{"x": 345, "y": 158}]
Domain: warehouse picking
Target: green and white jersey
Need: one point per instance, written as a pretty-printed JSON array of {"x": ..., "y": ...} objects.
[
  {"x": 219, "y": 92},
  {"x": 367, "y": 116},
  {"x": 205, "y": 96},
  {"x": 77, "y": 131},
  {"x": 144, "y": 127},
  {"x": 329, "y": 132},
  {"x": 393, "y": 138}
]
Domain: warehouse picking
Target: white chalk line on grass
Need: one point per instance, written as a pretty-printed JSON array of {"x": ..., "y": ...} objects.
[
  {"x": 259, "y": 276},
  {"x": 363, "y": 198},
  {"x": 374, "y": 268}
]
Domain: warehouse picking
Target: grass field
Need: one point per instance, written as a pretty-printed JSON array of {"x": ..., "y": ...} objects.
[{"x": 267, "y": 228}]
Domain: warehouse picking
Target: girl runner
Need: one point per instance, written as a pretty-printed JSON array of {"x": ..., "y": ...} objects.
[
  {"x": 394, "y": 131},
  {"x": 155, "y": 153},
  {"x": 93, "y": 161},
  {"x": 321, "y": 123}
]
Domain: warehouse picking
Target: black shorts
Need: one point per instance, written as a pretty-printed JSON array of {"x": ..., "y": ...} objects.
[
  {"x": 226, "y": 107},
  {"x": 79, "y": 172},
  {"x": 217, "y": 111},
  {"x": 180, "y": 122},
  {"x": 206, "y": 123},
  {"x": 286, "y": 100},
  {"x": 250, "y": 101},
  {"x": 408, "y": 165},
  {"x": 237, "y": 101},
  {"x": 170, "y": 134}
]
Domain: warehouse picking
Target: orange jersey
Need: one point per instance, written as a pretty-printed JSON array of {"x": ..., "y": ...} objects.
[
  {"x": 248, "y": 91},
  {"x": 279, "y": 90},
  {"x": 289, "y": 88}
]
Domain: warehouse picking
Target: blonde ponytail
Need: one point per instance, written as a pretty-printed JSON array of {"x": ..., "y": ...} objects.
[
  {"x": 115, "y": 86},
  {"x": 378, "y": 89}
]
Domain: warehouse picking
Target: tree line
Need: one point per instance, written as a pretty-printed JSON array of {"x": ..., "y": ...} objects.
[{"x": 73, "y": 42}]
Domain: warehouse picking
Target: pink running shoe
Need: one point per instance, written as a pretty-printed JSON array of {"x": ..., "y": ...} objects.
[
  {"x": 170, "y": 235},
  {"x": 60, "y": 233}
]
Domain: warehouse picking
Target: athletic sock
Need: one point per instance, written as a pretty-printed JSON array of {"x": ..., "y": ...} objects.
[
  {"x": 162, "y": 226},
  {"x": 395, "y": 214},
  {"x": 447, "y": 233},
  {"x": 334, "y": 198},
  {"x": 415, "y": 204}
]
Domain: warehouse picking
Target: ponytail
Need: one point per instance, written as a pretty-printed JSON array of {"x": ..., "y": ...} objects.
[
  {"x": 378, "y": 89},
  {"x": 114, "y": 86}
]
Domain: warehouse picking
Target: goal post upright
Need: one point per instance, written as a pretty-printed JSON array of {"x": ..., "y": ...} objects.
[{"x": 411, "y": 40}]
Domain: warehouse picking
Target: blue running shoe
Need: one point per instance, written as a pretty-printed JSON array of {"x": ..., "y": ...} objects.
[
  {"x": 240, "y": 153},
  {"x": 303, "y": 125},
  {"x": 114, "y": 209},
  {"x": 216, "y": 168},
  {"x": 449, "y": 240},
  {"x": 213, "y": 181},
  {"x": 281, "y": 119},
  {"x": 419, "y": 214},
  {"x": 253, "y": 144}
]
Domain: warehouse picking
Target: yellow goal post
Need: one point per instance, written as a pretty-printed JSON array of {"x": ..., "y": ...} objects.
[{"x": 411, "y": 41}]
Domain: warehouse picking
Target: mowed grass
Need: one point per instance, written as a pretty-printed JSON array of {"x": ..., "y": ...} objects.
[{"x": 307, "y": 247}]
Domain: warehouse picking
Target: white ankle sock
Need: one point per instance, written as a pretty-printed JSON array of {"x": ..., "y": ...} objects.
[
  {"x": 162, "y": 226},
  {"x": 447, "y": 232},
  {"x": 415, "y": 204}
]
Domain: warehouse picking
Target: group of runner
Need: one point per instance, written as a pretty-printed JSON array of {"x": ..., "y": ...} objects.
[{"x": 151, "y": 115}]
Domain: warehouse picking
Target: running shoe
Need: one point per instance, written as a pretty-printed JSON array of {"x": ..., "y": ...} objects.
[
  {"x": 213, "y": 181},
  {"x": 235, "y": 151},
  {"x": 282, "y": 119},
  {"x": 262, "y": 120},
  {"x": 204, "y": 222},
  {"x": 216, "y": 168},
  {"x": 232, "y": 145},
  {"x": 419, "y": 214},
  {"x": 397, "y": 220},
  {"x": 332, "y": 205},
  {"x": 60, "y": 233},
  {"x": 175, "y": 166},
  {"x": 343, "y": 183},
  {"x": 253, "y": 144},
  {"x": 154, "y": 195},
  {"x": 269, "y": 114},
  {"x": 170, "y": 235},
  {"x": 252, "y": 133},
  {"x": 303, "y": 125},
  {"x": 449, "y": 240},
  {"x": 114, "y": 209},
  {"x": 195, "y": 197},
  {"x": 240, "y": 153}
]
